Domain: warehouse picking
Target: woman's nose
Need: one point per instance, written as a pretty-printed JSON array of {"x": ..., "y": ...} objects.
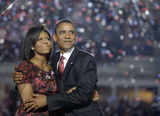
[{"x": 47, "y": 42}]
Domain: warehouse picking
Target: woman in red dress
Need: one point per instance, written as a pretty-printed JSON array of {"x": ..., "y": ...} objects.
[{"x": 38, "y": 76}]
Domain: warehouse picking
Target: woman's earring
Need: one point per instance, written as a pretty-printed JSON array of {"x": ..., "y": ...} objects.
[{"x": 32, "y": 48}]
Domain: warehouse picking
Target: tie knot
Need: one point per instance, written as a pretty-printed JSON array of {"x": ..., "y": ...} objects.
[
  {"x": 61, "y": 65},
  {"x": 62, "y": 58}
]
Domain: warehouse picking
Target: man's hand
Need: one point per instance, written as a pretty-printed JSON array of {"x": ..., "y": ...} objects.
[
  {"x": 71, "y": 90},
  {"x": 35, "y": 103},
  {"x": 95, "y": 97},
  {"x": 17, "y": 77}
]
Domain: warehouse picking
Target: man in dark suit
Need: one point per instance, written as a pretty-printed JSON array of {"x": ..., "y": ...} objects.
[{"x": 76, "y": 77}]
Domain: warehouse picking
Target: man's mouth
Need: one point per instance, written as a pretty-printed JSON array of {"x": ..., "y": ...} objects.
[{"x": 67, "y": 40}]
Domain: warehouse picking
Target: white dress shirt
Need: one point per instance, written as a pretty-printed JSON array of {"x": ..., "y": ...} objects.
[{"x": 66, "y": 55}]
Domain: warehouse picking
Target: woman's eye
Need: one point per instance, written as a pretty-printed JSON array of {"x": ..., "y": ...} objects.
[
  {"x": 44, "y": 39},
  {"x": 40, "y": 39}
]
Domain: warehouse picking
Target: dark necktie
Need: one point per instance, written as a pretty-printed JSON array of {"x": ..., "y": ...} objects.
[{"x": 61, "y": 66}]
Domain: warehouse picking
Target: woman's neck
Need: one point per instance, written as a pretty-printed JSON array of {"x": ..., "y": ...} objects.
[{"x": 40, "y": 61}]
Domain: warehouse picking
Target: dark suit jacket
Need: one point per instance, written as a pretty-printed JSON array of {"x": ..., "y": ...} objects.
[{"x": 80, "y": 72}]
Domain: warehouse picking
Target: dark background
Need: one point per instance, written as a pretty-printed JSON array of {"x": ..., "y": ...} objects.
[{"x": 123, "y": 35}]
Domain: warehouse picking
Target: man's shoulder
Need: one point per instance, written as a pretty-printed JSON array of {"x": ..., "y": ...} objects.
[
  {"x": 85, "y": 53},
  {"x": 85, "y": 57}
]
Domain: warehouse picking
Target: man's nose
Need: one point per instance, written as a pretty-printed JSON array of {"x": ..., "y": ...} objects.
[{"x": 67, "y": 36}]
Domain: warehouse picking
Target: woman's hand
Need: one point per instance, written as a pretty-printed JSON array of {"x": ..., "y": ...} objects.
[{"x": 36, "y": 102}]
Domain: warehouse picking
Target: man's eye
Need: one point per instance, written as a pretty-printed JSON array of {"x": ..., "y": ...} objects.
[{"x": 71, "y": 32}]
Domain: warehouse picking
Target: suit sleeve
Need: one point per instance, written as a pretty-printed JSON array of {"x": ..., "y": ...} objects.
[{"x": 87, "y": 78}]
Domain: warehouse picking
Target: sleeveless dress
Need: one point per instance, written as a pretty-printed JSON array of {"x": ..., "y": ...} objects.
[{"x": 42, "y": 82}]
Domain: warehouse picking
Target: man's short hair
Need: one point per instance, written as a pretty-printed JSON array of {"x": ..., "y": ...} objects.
[{"x": 64, "y": 20}]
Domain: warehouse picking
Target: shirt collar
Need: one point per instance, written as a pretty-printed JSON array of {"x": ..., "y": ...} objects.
[{"x": 68, "y": 53}]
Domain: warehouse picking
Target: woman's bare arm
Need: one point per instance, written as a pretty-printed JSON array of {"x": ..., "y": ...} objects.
[{"x": 26, "y": 91}]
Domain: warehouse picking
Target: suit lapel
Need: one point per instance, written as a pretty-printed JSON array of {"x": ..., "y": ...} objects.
[
  {"x": 56, "y": 61},
  {"x": 70, "y": 62}
]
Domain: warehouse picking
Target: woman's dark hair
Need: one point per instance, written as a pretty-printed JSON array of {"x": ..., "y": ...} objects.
[{"x": 30, "y": 39}]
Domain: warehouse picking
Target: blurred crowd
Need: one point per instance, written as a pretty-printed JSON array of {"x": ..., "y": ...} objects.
[
  {"x": 8, "y": 100},
  {"x": 109, "y": 29},
  {"x": 126, "y": 108},
  {"x": 114, "y": 107}
]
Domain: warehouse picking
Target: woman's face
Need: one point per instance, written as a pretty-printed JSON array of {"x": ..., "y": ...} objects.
[{"x": 43, "y": 45}]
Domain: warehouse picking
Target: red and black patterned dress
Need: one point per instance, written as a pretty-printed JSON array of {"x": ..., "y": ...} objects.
[{"x": 42, "y": 82}]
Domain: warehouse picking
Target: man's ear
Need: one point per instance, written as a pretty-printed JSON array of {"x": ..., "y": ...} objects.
[{"x": 54, "y": 38}]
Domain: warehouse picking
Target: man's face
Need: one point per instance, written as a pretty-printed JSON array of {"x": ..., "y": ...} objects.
[{"x": 65, "y": 36}]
